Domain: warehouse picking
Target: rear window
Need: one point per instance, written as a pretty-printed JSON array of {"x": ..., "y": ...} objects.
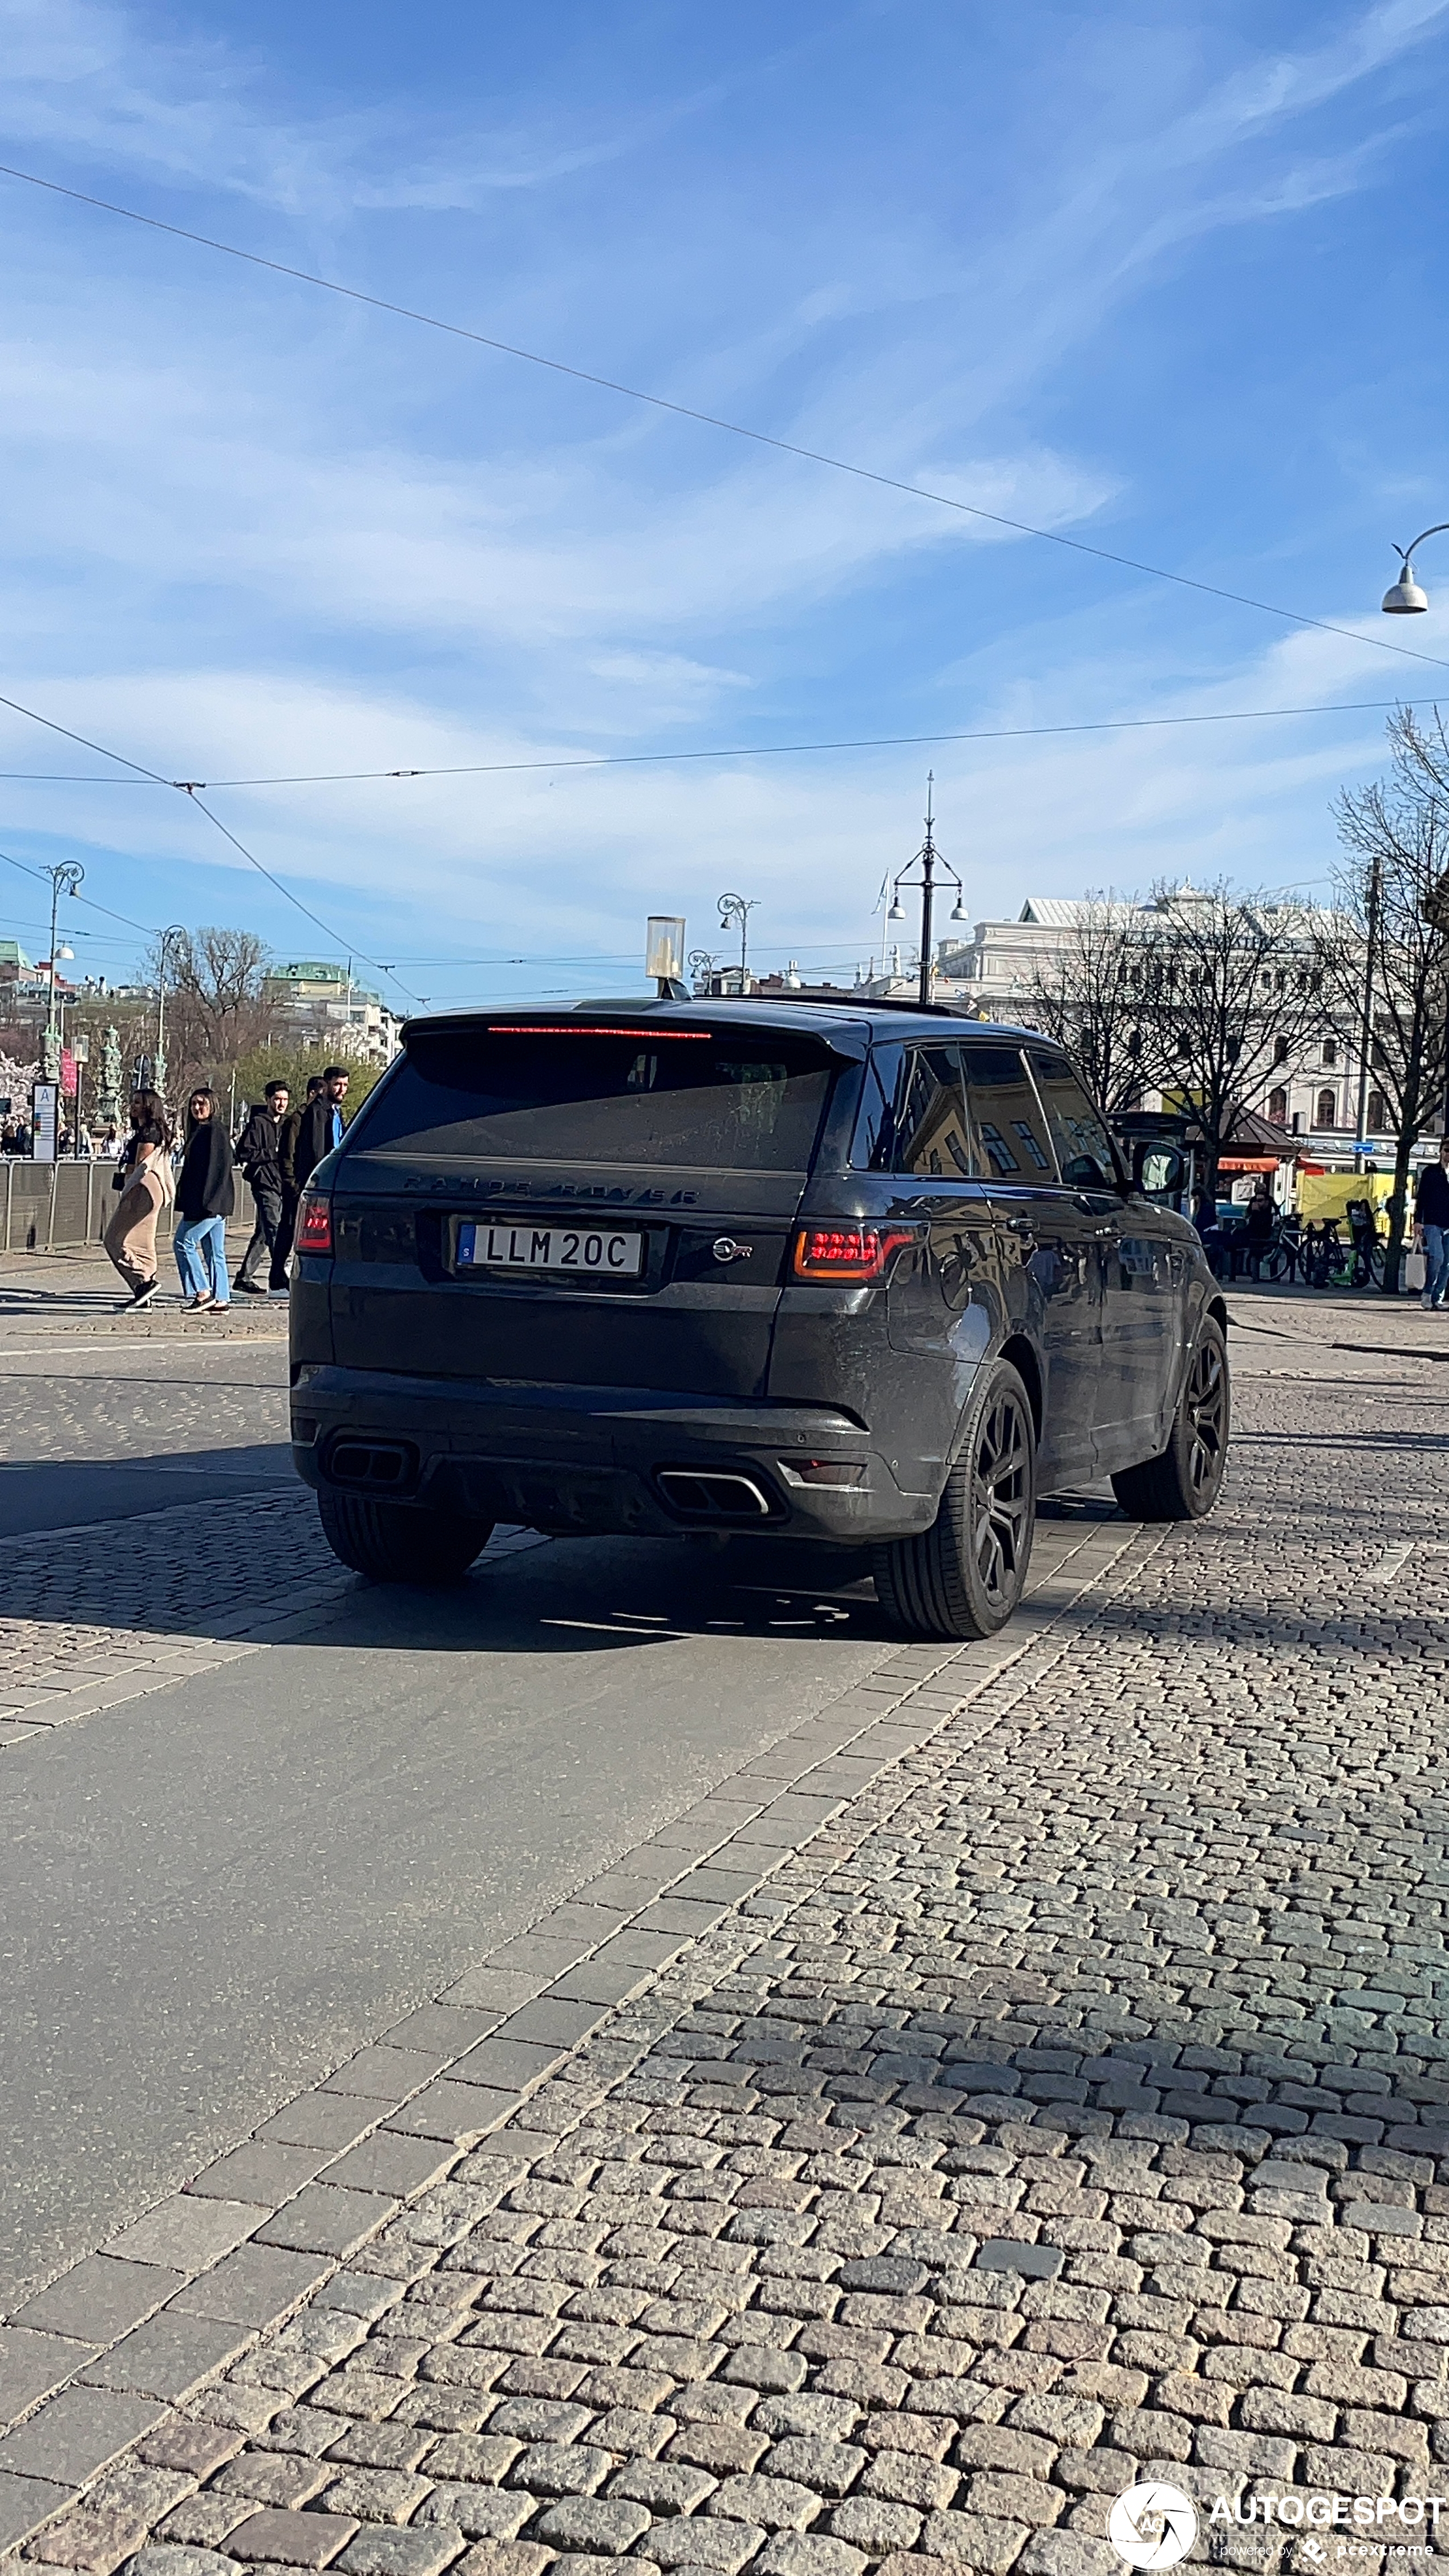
[{"x": 710, "y": 1099}]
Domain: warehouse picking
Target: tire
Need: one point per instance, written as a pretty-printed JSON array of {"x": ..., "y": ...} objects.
[
  {"x": 394, "y": 1544},
  {"x": 964, "y": 1576},
  {"x": 1185, "y": 1482}
]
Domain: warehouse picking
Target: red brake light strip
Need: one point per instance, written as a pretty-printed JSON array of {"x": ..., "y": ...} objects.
[{"x": 592, "y": 1029}]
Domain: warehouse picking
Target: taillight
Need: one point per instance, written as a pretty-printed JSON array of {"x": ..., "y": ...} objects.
[
  {"x": 848, "y": 1252},
  {"x": 314, "y": 1233}
]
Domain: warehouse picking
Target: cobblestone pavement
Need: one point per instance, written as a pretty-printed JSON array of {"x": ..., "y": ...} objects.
[{"x": 1071, "y": 2109}]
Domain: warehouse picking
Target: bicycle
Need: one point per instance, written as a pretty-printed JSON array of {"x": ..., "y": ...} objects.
[
  {"x": 1285, "y": 1252},
  {"x": 1368, "y": 1249}
]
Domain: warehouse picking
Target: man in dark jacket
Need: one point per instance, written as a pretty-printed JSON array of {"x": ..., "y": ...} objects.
[
  {"x": 1431, "y": 1225},
  {"x": 258, "y": 1155},
  {"x": 320, "y": 1126},
  {"x": 288, "y": 1132}
]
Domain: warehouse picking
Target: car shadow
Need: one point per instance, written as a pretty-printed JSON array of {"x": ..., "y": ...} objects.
[{"x": 48, "y": 1494}]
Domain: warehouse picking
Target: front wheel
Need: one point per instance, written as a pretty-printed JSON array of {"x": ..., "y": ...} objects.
[
  {"x": 1185, "y": 1481},
  {"x": 393, "y": 1543},
  {"x": 964, "y": 1576}
]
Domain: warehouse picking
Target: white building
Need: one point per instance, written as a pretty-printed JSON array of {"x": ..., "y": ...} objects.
[
  {"x": 321, "y": 1004},
  {"x": 1314, "y": 1095}
]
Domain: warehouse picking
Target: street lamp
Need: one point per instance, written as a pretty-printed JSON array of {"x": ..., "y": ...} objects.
[
  {"x": 928, "y": 858},
  {"x": 67, "y": 877},
  {"x": 1404, "y": 598},
  {"x": 735, "y": 908},
  {"x": 169, "y": 938}
]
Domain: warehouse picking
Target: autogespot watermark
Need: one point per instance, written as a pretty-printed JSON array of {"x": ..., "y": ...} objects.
[{"x": 1155, "y": 2525}]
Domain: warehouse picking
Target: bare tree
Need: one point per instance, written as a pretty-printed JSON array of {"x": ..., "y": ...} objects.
[
  {"x": 1084, "y": 994},
  {"x": 1391, "y": 899},
  {"x": 1227, "y": 986},
  {"x": 217, "y": 1006}
]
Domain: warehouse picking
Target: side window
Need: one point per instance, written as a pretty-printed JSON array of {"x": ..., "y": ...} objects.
[
  {"x": 1006, "y": 1114},
  {"x": 1084, "y": 1148},
  {"x": 933, "y": 1136},
  {"x": 874, "y": 1147}
]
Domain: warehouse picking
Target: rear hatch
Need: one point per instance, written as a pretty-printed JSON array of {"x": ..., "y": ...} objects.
[{"x": 582, "y": 1203}]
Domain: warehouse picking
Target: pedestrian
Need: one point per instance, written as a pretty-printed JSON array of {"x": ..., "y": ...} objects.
[
  {"x": 321, "y": 1125},
  {"x": 1258, "y": 1228},
  {"x": 1431, "y": 1227},
  {"x": 110, "y": 1144},
  {"x": 205, "y": 1198},
  {"x": 288, "y": 1131},
  {"x": 258, "y": 1149},
  {"x": 144, "y": 1179}
]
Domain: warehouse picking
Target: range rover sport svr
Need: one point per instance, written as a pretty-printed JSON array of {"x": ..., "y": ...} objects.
[{"x": 846, "y": 1272}]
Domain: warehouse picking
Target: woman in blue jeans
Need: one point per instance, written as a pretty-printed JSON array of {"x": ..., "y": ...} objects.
[{"x": 205, "y": 1198}]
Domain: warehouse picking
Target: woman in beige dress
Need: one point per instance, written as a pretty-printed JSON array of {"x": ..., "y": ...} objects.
[{"x": 148, "y": 1187}]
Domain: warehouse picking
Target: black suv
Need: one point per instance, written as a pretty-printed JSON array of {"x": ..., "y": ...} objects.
[{"x": 851, "y": 1272}]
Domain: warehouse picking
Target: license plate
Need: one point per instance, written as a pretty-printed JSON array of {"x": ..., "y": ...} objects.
[{"x": 575, "y": 1251}]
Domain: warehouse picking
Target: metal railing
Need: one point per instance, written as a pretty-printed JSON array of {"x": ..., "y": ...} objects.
[{"x": 54, "y": 1207}]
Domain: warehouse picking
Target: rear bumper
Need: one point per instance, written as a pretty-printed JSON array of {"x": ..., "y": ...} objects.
[{"x": 594, "y": 1459}]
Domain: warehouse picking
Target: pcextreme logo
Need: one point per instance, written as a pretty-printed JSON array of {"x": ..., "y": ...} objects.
[{"x": 1152, "y": 2525}]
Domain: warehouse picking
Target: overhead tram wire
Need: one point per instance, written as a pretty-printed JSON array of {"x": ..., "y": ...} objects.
[
  {"x": 660, "y": 759},
  {"x": 188, "y": 788},
  {"x": 709, "y": 420}
]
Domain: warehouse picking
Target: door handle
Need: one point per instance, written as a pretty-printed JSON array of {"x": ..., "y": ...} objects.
[{"x": 1021, "y": 1225}]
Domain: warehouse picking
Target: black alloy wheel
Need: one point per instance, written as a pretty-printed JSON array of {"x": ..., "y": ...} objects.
[
  {"x": 1002, "y": 1503},
  {"x": 964, "y": 1576},
  {"x": 1185, "y": 1481},
  {"x": 1206, "y": 1407}
]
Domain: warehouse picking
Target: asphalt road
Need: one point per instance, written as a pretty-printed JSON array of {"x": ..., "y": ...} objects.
[{"x": 213, "y": 1893}]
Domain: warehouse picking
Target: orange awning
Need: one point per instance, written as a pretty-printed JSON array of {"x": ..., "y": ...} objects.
[{"x": 1247, "y": 1162}]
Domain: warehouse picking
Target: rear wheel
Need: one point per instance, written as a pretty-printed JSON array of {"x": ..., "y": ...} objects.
[
  {"x": 963, "y": 1577},
  {"x": 1185, "y": 1482},
  {"x": 395, "y": 1544}
]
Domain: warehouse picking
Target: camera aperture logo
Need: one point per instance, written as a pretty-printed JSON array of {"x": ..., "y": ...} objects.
[{"x": 1152, "y": 2525}]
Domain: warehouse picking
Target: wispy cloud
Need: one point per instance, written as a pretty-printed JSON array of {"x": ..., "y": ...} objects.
[{"x": 251, "y": 530}]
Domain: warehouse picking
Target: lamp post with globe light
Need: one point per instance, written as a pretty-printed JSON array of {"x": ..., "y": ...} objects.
[
  {"x": 928, "y": 858},
  {"x": 67, "y": 877}
]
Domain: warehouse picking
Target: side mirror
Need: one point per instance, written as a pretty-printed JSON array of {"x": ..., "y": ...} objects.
[{"x": 1158, "y": 1170}]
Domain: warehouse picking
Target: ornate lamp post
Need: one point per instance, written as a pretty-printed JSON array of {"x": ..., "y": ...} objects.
[
  {"x": 928, "y": 859},
  {"x": 67, "y": 877},
  {"x": 169, "y": 939},
  {"x": 734, "y": 908}
]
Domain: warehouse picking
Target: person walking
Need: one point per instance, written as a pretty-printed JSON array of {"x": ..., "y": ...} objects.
[
  {"x": 258, "y": 1150},
  {"x": 205, "y": 1198},
  {"x": 144, "y": 1179},
  {"x": 1431, "y": 1227},
  {"x": 320, "y": 1127},
  {"x": 288, "y": 1132}
]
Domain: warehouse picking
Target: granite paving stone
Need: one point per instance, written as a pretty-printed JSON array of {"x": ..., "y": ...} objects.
[{"x": 1070, "y": 2105}]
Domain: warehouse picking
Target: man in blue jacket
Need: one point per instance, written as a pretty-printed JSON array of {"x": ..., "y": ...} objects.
[{"x": 1431, "y": 1225}]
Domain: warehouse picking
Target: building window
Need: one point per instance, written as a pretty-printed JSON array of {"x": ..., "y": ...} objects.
[
  {"x": 1278, "y": 1108},
  {"x": 1326, "y": 1112},
  {"x": 1378, "y": 1110},
  {"x": 1280, "y": 1050},
  {"x": 1330, "y": 1051}
]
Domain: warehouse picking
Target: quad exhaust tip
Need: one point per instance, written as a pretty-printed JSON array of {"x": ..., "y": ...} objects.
[
  {"x": 377, "y": 1466},
  {"x": 703, "y": 1495}
]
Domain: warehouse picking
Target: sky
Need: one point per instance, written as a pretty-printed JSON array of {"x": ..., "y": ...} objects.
[{"x": 1165, "y": 280}]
